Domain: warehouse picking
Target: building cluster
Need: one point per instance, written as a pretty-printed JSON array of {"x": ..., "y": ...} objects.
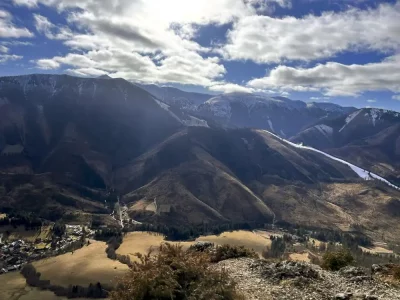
[{"x": 14, "y": 254}]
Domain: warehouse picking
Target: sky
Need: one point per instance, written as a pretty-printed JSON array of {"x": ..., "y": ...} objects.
[{"x": 339, "y": 51}]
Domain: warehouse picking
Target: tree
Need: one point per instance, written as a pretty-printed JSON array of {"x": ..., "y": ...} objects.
[
  {"x": 59, "y": 229},
  {"x": 334, "y": 261}
]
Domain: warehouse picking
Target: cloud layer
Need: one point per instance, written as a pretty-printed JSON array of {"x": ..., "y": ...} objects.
[
  {"x": 336, "y": 79},
  {"x": 265, "y": 39},
  {"x": 9, "y": 30},
  {"x": 154, "y": 41}
]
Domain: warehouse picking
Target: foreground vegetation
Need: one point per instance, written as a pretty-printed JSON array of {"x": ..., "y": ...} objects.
[{"x": 175, "y": 273}]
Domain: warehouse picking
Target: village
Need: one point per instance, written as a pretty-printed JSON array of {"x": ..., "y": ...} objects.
[{"x": 15, "y": 253}]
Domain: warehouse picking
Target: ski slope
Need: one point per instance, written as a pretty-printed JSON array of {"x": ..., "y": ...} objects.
[{"x": 359, "y": 171}]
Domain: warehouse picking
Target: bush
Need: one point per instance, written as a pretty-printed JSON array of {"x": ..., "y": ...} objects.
[
  {"x": 334, "y": 261},
  {"x": 227, "y": 251},
  {"x": 396, "y": 273},
  {"x": 175, "y": 274}
]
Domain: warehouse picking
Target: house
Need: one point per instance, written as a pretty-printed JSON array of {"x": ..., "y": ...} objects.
[{"x": 12, "y": 150}]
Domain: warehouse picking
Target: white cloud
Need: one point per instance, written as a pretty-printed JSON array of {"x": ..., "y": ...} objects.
[
  {"x": 265, "y": 39},
  {"x": 230, "y": 88},
  {"x": 190, "y": 68},
  {"x": 336, "y": 79},
  {"x": 47, "y": 64},
  {"x": 285, "y": 94},
  {"x": 28, "y": 3},
  {"x": 267, "y": 5},
  {"x": 8, "y": 29},
  {"x": 371, "y": 100},
  {"x": 16, "y": 43},
  {"x": 6, "y": 57},
  {"x": 86, "y": 72},
  {"x": 152, "y": 41},
  {"x": 51, "y": 31},
  {"x": 320, "y": 98},
  {"x": 396, "y": 97},
  {"x": 3, "y": 49},
  {"x": 141, "y": 40}
]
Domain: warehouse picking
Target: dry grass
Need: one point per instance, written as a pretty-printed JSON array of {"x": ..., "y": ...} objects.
[
  {"x": 247, "y": 239},
  {"x": 142, "y": 242},
  {"x": 377, "y": 250},
  {"x": 139, "y": 242},
  {"x": 316, "y": 243},
  {"x": 86, "y": 265},
  {"x": 20, "y": 233},
  {"x": 300, "y": 257},
  {"x": 13, "y": 287}
]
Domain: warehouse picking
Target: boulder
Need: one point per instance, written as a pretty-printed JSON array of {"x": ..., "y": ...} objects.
[{"x": 350, "y": 271}]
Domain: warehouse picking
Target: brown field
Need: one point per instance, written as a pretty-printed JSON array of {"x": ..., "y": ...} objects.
[
  {"x": 13, "y": 287},
  {"x": 20, "y": 233},
  {"x": 377, "y": 250},
  {"x": 86, "y": 265},
  {"x": 248, "y": 239},
  {"x": 139, "y": 242},
  {"x": 299, "y": 257},
  {"x": 142, "y": 242},
  {"x": 316, "y": 243}
]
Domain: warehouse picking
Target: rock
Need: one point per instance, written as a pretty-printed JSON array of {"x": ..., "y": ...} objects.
[
  {"x": 289, "y": 269},
  {"x": 378, "y": 268},
  {"x": 257, "y": 278},
  {"x": 342, "y": 296},
  {"x": 352, "y": 271},
  {"x": 360, "y": 278}
]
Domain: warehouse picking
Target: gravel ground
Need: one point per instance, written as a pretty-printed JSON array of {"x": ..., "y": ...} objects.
[{"x": 293, "y": 280}]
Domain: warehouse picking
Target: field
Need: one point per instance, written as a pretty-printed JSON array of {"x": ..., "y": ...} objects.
[
  {"x": 300, "y": 257},
  {"x": 91, "y": 265},
  {"x": 141, "y": 242},
  {"x": 377, "y": 250},
  {"x": 257, "y": 242},
  {"x": 13, "y": 287},
  {"x": 86, "y": 265},
  {"x": 20, "y": 233}
]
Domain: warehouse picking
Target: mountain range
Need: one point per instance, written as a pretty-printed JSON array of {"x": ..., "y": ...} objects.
[{"x": 68, "y": 143}]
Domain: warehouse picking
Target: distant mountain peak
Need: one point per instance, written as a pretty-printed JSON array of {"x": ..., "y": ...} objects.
[{"x": 105, "y": 76}]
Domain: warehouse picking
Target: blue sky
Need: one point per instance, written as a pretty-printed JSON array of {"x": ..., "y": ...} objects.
[{"x": 339, "y": 51}]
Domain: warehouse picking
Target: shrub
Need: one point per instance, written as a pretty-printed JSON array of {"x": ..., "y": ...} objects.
[
  {"x": 336, "y": 260},
  {"x": 396, "y": 272},
  {"x": 227, "y": 251},
  {"x": 174, "y": 274}
]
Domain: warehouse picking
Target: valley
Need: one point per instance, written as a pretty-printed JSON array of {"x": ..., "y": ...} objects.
[{"x": 129, "y": 169}]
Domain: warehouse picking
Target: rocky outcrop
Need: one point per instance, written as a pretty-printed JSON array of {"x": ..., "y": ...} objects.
[{"x": 290, "y": 280}]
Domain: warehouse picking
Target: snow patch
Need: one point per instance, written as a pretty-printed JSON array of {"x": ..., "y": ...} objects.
[
  {"x": 324, "y": 129},
  {"x": 359, "y": 171},
  {"x": 350, "y": 118},
  {"x": 192, "y": 121},
  {"x": 219, "y": 108},
  {"x": 375, "y": 115},
  {"x": 166, "y": 107},
  {"x": 270, "y": 125}
]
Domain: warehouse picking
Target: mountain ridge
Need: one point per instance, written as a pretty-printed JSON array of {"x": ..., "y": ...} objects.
[{"x": 99, "y": 138}]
